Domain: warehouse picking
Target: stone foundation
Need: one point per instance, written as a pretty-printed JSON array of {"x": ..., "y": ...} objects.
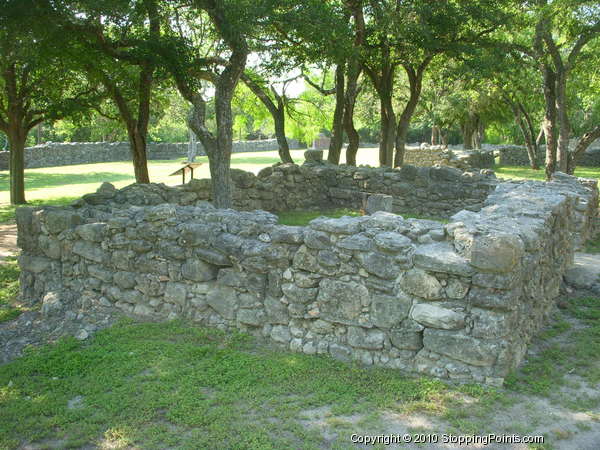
[
  {"x": 459, "y": 300},
  {"x": 431, "y": 191}
]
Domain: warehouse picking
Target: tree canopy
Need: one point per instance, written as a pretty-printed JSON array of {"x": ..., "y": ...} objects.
[{"x": 388, "y": 72}]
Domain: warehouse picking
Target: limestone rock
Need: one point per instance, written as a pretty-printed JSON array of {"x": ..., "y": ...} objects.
[
  {"x": 379, "y": 202},
  {"x": 441, "y": 257},
  {"x": 223, "y": 299},
  {"x": 437, "y": 317},
  {"x": 391, "y": 241},
  {"x": 277, "y": 312},
  {"x": 197, "y": 270},
  {"x": 93, "y": 232},
  {"x": 378, "y": 264},
  {"x": 51, "y": 304},
  {"x": 356, "y": 242},
  {"x": 364, "y": 338},
  {"x": 90, "y": 251},
  {"x": 585, "y": 272},
  {"x": 388, "y": 311},
  {"x": 176, "y": 293},
  {"x": 420, "y": 283},
  {"x": 253, "y": 317},
  {"x": 313, "y": 155},
  {"x": 340, "y": 352},
  {"x": 341, "y": 301},
  {"x": 298, "y": 294},
  {"x": 461, "y": 347},
  {"x": 496, "y": 253},
  {"x": 281, "y": 334}
]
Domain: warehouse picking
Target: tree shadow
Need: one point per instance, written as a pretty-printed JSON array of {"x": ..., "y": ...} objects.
[
  {"x": 39, "y": 180},
  {"x": 257, "y": 160}
]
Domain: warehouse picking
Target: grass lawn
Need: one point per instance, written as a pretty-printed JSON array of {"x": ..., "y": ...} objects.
[
  {"x": 525, "y": 173},
  {"x": 301, "y": 218},
  {"x": 9, "y": 289}
]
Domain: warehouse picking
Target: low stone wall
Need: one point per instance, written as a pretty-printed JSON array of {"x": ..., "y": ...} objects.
[
  {"x": 457, "y": 301},
  {"x": 517, "y": 156},
  {"x": 432, "y": 191},
  {"x": 67, "y": 153},
  {"x": 428, "y": 156}
]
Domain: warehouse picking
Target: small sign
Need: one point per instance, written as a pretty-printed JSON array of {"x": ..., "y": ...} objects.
[{"x": 189, "y": 167}]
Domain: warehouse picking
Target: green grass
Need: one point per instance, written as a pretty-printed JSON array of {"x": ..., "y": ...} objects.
[
  {"x": 168, "y": 384},
  {"x": 302, "y": 218},
  {"x": 568, "y": 350},
  {"x": 7, "y": 212},
  {"x": 526, "y": 173},
  {"x": 9, "y": 289}
]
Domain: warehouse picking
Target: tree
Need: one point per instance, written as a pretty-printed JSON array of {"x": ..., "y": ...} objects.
[
  {"x": 303, "y": 34},
  {"x": 201, "y": 33},
  {"x": 559, "y": 34},
  {"x": 36, "y": 85},
  {"x": 114, "y": 42},
  {"x": 410, "y": 35},
  {"x": 275, "y": 103}
]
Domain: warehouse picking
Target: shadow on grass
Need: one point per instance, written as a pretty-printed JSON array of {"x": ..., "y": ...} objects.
[
  {"x": 38, "y": 180},
  {"x": 256, "y": 160}
]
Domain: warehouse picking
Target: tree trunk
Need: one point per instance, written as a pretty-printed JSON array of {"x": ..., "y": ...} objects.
[
  {"x": 388, "y": 133},
  {"x": 562, "y": 152},
  {"x": 282, "y": 142},
  {"x": 137, "y": 144},
  {"x": 467, "y": 132},
  {"x": 479, "y": 134},
  {"x": 435, "y": 135},
  {"x": 16, "y": 143},
  {"x": 540, "y": 136},
  {"x": 337, "y": 139},
  {"x": 349, "y": 104},
  {"x": 549, "y": 121},
  {"x": 527, "y": 136},
  {"x": 192, "y": 146},
  {"x": 581, "y": 147},
  {"x": 415, "y": 80},
  {"x": 444, "y": 138},
  {"x": 277, "y": 112},
  {"x": 220, "y": 160}
]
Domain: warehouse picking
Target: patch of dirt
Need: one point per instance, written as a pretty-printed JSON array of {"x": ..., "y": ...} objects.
[{"x": 8, "y": 240}]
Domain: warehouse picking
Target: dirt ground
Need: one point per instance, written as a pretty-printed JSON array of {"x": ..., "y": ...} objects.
[{"x": 8, "y": 240}]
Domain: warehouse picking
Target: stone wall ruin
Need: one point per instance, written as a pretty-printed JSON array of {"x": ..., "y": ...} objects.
[{"x": 458, "y": 300}]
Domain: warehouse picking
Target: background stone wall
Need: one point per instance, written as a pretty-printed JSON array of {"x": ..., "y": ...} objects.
[
  {"x": 514, "y": 155},
  {"x": 67, "y": 153},
  {"x": 458, "y": 300},
  {"x": 465, "y": 159}
]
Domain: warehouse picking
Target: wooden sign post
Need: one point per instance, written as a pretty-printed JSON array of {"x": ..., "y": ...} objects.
[{"x": 189, "y": 167}]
